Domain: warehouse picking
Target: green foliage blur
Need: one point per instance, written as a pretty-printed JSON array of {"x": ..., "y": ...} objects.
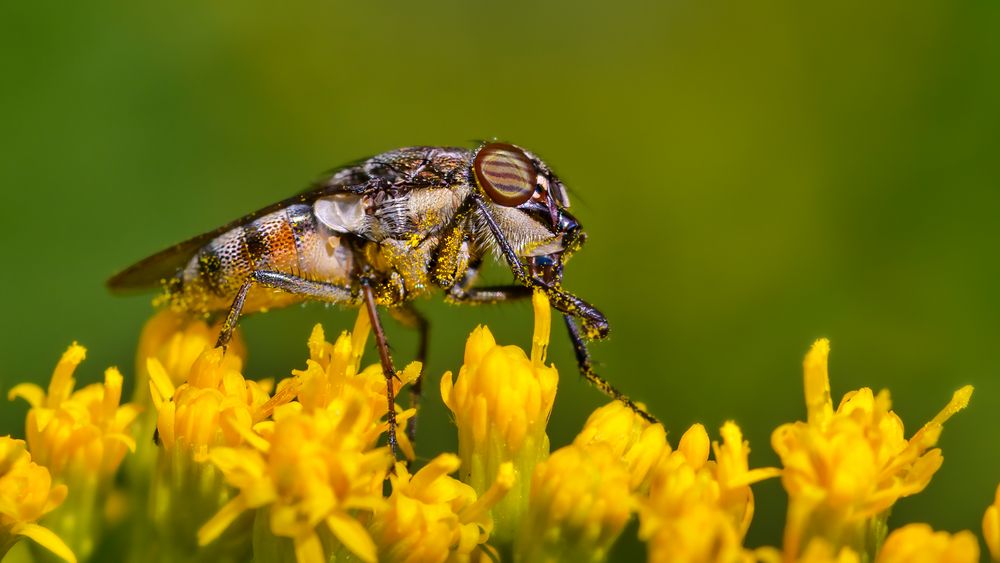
[{"x": 752, "y": 176}]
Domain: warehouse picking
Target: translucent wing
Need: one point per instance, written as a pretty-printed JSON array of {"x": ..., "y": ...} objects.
[{"x": 150, "y": 272}]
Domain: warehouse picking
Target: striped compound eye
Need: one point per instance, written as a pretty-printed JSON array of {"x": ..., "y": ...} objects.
[{"x": 505, "y": 173}]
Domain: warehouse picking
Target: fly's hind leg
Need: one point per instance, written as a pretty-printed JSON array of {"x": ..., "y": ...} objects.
[
  {"x": 330, "y": 293},
  {"x": 318, "y": 291},
  {"x": 408, "y": 316}
]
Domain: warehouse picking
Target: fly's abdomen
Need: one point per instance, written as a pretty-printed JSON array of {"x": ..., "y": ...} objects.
[{"x": 286, "y": 241}]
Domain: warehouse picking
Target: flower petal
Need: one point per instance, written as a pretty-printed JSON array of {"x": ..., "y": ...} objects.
[
  {"x": 47, "y": 539},
  {"x": 30, "y": 392},
  {"x": 353, "y": 535}
]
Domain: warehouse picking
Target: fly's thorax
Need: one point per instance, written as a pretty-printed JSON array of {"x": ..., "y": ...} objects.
[
  {"x": 432, "y": 209},
  {"x": 391, "y": 214}
]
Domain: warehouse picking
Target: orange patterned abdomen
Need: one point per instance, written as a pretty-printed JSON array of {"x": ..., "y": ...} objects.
[{"x": 286, "y": 241}]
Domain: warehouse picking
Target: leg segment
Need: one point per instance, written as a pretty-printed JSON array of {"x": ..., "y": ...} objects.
[
  {"x": 383, "y": 351},
  {"x": 410, "y": 317},
  {"x": 587, "y": 371},
  {"x": 515, "y": 292},
  {"x": 489, "y": 294},
  {"x": 319, "y": 291}
]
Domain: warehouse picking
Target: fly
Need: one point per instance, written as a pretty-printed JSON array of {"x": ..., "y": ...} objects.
[{"x": 383, "y": 232}]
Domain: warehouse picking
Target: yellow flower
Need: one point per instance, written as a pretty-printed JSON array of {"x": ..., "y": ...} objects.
[
  {"x": 632, "y": 438},
  {"x": 85, "y": 431},
  {"x": 433, "y": 517},
  {"x": 697, "y": 509},
  {"x": 27, "y": 494},
  {"x": 502, "y": 400},
  {"x": 331, "y": 367},
  {"x": 579, "y": 505},
  {"x": 991, "y": 527},
  {"x": 307, "y": 473},
  {"x": 916, "y": 543},
  {"x": 176, "y": 341},
  {"x": 818, "y": 551},
  {"x": 215, "y": 407},
  {"x": 81, "y": 437},
  {"x": 844, "y": 468}
]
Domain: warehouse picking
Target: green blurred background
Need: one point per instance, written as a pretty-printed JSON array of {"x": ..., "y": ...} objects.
[{"x": 752, "y": 176}]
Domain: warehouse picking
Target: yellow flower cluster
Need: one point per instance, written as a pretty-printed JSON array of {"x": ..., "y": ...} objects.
[
  {"x": 296, "y": 471},
  {"x": 433, "y": 517},
  {"x": 575, "y": 503},
  {"x": 77, "y": 432},
  {"x": 81, "y": 437},
  {"x": 845, "y": 468},
  {"x": 697, "y": 509},
  {"x": 501, "y": 401},
  {"x": 27, "y": 494}
]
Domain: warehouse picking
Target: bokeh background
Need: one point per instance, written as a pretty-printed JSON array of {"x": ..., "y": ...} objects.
[{"x": 752, "y": 176}]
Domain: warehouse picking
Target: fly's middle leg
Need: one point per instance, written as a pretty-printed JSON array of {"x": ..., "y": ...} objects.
[{"x": 319, "y": 291}]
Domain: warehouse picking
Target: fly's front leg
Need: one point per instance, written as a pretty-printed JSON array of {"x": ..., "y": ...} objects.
[
  {"x": 587, "y": 371},
  {"x": 410, "y": 317},
  {"x": 319, "y": 291},
  {"x": 368, "y": 296},
  {"x": 594, "y": 322},
  {"x": 476, "y": 295}
]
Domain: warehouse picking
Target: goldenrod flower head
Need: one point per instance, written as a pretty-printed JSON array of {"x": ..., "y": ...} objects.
[
  {"x": 844, "y": 468},
  {"x": 579, "y": 505},
  {"x": 991, "y": 527},
  {"x": 918, "y": 543},
  {"x": 331, "y": 367},
  {"x": 176, "y": 340},
  {"x": 697, "y": 509},
  {"x": 215, "y": 407},
  {"x": 27, "y": 494},
  {"x": 502, "y": 399},
  {"x": 632, "y": 438},
  {"x": 171, "y": 342},
  {"x": 308, "y": 472},
  {"x": 681, "y": 519},
  {"x": 84, "y": 432},
  {"x": 433, "y": 517}
]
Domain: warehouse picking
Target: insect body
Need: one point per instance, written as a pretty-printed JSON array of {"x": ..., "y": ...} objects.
[{"x": 383, "y": 232}]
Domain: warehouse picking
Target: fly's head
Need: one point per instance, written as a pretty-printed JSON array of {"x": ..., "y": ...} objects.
[
  {"x": 531, "y": 226},
  {"x": 530, "y": 207}
]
